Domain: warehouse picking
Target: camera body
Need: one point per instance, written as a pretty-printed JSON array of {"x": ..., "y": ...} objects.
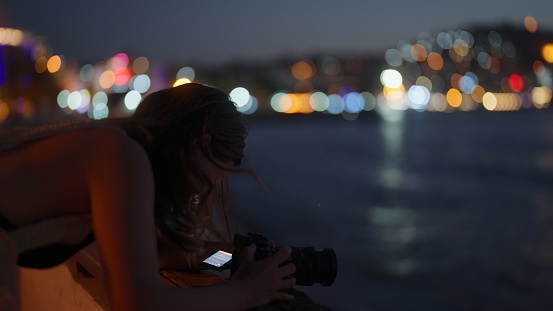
[{"x": 312, "y": 266}]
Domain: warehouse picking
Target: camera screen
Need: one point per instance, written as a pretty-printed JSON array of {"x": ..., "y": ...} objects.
[{"x": 218, "y": 259}]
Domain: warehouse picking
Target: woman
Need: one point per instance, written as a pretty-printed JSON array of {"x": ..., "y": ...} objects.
[{"x": 159, "y": 173}]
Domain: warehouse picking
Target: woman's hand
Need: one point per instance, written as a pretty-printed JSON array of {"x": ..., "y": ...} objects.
[{"x": 265, "y": 280}]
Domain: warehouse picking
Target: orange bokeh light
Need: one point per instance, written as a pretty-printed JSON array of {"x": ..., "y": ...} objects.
[
  {"x": 303, "y": 70},
  {"x": 435, "y": 61},
  {"x": 53, "y": 64},
  {"x": 547, "y": 52},
  {"x": 531, "y": 24},
  {"x": 419, "y": 53},
  {"x": 454, "y": 98}
]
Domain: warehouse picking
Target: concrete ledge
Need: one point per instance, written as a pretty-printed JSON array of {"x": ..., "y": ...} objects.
[{"x": 62, "y": 288}]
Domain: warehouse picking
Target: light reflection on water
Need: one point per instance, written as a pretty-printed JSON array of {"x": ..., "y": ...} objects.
[{"x": 436, "y": 212}]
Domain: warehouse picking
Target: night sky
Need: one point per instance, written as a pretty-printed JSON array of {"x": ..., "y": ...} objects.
[{"x": 219, "y": 31}]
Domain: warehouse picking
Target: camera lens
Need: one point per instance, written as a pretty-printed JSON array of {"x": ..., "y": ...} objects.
[{"x": 314, "y": 266}]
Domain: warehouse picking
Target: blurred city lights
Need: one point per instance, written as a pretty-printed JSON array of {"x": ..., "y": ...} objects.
[
  {"x": 54, "y": 63},
  {"x": 391, "y": 78},
  {"x": 454, "y": 98},
  {"x": 240, "y": 96},
  {"x": 353, "y": 102},
  {"x": 10, "y": 36},
  {"x": 319, "y": 101},
  {"x": 62, "y": 98},
  {"x": 541, "y": 96},
  {"x": 454, "y": 70},
  {"x": 4, "y": 111},
  {"x": 100, "y": 109},
  {"x": 547, "y": 52},
  {"x": 107, "y": 79},
  {"x": 181, "y": 81},
  {"x": 132, "y": 100},
  {"x": 186, "y": 73},
  {"x": 74, "y": 100},
  {"x": 435, "y": 61},
  {"x": 531, "y": 24},
  {"x": 393, "y": 58},
  {"x": 140, "y": 65},
  {"x": 419, "y": 96},
  {"x": 280, "y": 102},
  {"x": 335, "y": 104},
  {"x": 87, "y": 73},
  {"x": 141, "y": 83},
  {"x": 41, "y": 64},
  {"x": 303, "y": 70},
  {"x": 516, "y": 83}
]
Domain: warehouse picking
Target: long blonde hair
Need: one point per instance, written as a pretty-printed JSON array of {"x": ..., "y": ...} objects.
[{"x": 170, "y": 124}]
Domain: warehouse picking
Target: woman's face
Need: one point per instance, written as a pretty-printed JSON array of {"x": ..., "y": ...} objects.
[{"x": 214, "y": 173}]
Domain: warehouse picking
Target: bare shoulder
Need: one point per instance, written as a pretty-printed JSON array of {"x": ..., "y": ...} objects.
[
  {"x": 113, "y": 151},
  {"x": 34, "y": 179},
  {"x": 103, "y": 145},
  {"x": 108, "y": 156}
]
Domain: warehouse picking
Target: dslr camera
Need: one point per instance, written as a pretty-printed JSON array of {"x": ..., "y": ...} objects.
[{"x": 312, "y": 266}]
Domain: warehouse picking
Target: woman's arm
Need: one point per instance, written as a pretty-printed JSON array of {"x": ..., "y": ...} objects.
[{"x": 122, "y": 200}]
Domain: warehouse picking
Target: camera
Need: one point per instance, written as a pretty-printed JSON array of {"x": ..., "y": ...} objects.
[{"x": 312, "y": 266}]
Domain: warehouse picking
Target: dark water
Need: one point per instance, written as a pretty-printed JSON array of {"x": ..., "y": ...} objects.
[{"x": 437, "y": 212}]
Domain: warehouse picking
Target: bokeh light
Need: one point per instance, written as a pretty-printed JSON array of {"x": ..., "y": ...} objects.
[
  {"x": 186, "y": 72},
  {"x": 547, "y": 52},
  {"x": 335, "y": 104},
  {"x": 4, "y": 111},
  {"x": 141, "y": 83},
  {"x": 531, "y": 24},
  {"x": 435, "y": 61},
  {"x": 467, "y": 82},
  {"x": 419, "y": 96},
  {"x": 478, "y": 93},
  {"x": 541, "y": 96},
  {"x": 119, "y": 61},
  {"x": 107, "y": 79},
  {"x": 140, "y": 65},
  {"x": 391, "y": 78},
  {"x": 449, "y": 71},
  {"x": 240, "y": 96},
  {"x": 319, "y": 101},
  {"x": 303, "y": 70},
  {"x": 454, "y": 98},
  {"x": 86, "y": 73},
  {"x": 10, "y": 36},
  {"x": 516, "y": 83},
  {"x": 62, "y": 98},
  {"x": 132, "y": 100},
  {"x": 54, "y": 63},
  {"x": 41, "y": 64},
  {"x": 181, "y": 81},
  {"x": 370, "y": 101},
  {"x": 393, "y": 57},
  {"x": 280, "y": 102},
  {"x": 418, "y": 52},
  {"x": 353, "y": 102}
]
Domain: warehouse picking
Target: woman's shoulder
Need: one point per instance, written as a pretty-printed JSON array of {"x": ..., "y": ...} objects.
[
  {"x": 113, "y": 161},
  {"x": 105, "y": 143},
  {"x": 90, "y": 147}
]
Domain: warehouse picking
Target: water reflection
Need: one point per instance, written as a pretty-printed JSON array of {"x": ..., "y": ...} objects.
[
  {"x": 431, "y": 211},
  {"x": 393, "y": 229},
  {"x": 390, "y": 170}
]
